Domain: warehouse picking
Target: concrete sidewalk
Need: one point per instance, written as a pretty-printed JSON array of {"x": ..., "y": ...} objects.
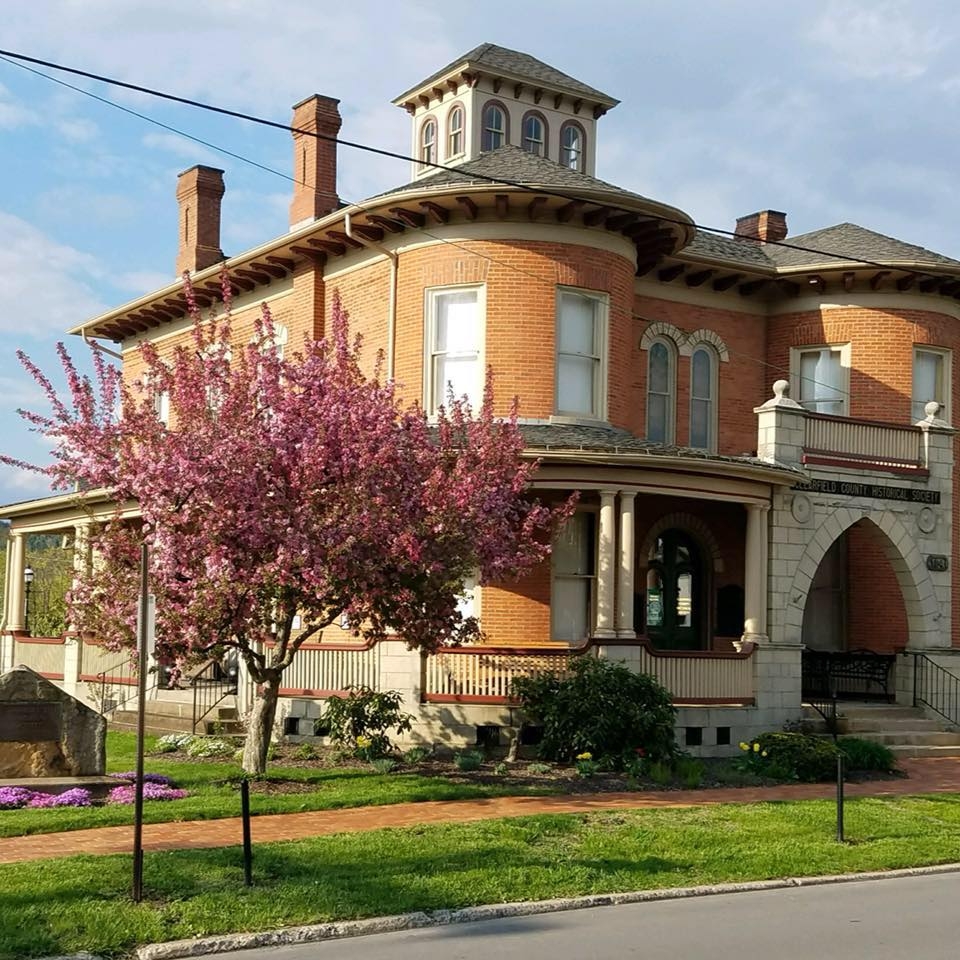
[{"x": 923, "y": 776}]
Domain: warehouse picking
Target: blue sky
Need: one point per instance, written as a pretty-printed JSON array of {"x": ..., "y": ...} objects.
[{"x": 832, "y": 110}]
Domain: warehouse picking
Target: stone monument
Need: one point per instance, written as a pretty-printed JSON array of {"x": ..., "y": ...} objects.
[{"x": 45, "y": 732}]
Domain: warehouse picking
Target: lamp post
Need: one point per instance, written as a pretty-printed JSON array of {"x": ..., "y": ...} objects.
[{"x": 27, "y": 580}]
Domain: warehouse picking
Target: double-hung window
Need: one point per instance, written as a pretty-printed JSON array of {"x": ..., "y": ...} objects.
[
  {"x": 581, "y": 343},
  {"x": 661, "y": 380},
  {"x": 703, "y": 399},
  {"x": 931, "y": 379},
  {"x": 574, "y": 572},
  {"x": 822, "y": 374},
  {"x": 454, "y": 336}
]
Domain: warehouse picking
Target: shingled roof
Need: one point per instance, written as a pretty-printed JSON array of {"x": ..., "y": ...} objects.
[
  {"x": 713, "y": 247},
  {"x": 853, "y": 241},
  {"x": 515, "y": 64},
  {"x": 513, "y": 163}
]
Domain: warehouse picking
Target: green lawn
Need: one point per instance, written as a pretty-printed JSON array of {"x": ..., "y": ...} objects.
[
  {"x": 56, "y": 907},
  {"x": 213, "y": 795}
]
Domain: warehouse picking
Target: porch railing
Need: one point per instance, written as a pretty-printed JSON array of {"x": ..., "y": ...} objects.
[
  {"x": 484, "y": 675},
  {"x": 119, "y": 684},
  {"x": 843, "y": 441},
  {"x": 322, "y": 669},
  {"x": 936, "y": 687}
]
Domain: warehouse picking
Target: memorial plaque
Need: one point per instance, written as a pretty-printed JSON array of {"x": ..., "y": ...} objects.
[{"x": 30, "y": 722}]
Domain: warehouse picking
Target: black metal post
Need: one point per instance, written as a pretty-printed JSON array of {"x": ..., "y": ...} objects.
[
  {"x": 247, "y": 849},
  {"x": 141, "y": 722},
  {"x": 840, "y": 797},
  {"x": 916, "y": 667}
]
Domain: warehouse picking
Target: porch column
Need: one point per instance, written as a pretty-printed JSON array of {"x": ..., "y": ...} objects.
[
  {"x": 755, "y": 573},
  {"x": 606, "y": 564},
  {"x": 15, "y": 598},
  {"x": 625, "y": 569}
]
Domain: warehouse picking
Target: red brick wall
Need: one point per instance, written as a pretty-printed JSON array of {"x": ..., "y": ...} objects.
[{"x": 876, "y": 616}]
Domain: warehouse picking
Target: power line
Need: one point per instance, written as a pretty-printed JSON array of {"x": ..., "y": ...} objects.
[{"x": 10, "y": 55}]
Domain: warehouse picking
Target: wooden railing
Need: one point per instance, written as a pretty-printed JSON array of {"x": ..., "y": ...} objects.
[
  {"x": 323, "y": 669},
  {"x": 842, "y": 441},
  {"x": 484, "y": 675},
  {"x": 43, "y": 655}
]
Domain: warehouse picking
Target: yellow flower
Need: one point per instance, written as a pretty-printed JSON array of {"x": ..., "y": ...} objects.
[
  {"x": 756, "y": 748},
  {"x": 363, "y": 741},
  {"x": 764, "y": 753},
  {"x": 586, "y": 755},
  {"x": 744, "y": 746}
]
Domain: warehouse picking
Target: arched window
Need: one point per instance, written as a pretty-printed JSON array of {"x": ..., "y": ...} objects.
[
  {"x": 455, "y": 131},
  {"x": 534, "y": 134},
  {"x": 495, "y": 132},
  {"x": 661, "y": 376},
  {"x": 676, "y": 616},
  {"x": 428, "y": 141},
  {"x": 703, "y": 398},
  {"x": 573, "y": 145}
]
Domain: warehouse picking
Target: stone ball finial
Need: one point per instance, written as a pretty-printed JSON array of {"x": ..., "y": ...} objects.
[
  {"x": 780, "y": 387},
  {"x": 931, "y": 409}
]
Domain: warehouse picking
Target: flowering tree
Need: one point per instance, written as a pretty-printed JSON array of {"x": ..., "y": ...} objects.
[{"x": 284, "y": 490}]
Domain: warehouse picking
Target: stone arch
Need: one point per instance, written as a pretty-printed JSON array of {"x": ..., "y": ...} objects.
[
  {"x": 696, "y": 527},
  {"x": 916, "y": 588},
  {"x": 703, "y": 335},
  {"x": 660, "y": 329}
]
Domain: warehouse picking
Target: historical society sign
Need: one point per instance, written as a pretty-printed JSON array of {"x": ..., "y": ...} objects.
[{"x": 876, "y": 491}]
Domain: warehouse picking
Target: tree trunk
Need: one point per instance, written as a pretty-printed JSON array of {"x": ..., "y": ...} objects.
[{"x": 260, "y": 727}]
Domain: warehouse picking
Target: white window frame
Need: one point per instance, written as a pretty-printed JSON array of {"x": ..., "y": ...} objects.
[
  {"x": 946, "y": 379},
  {"x": 459, "y": 132},
  {"x": 573, "y": 157},
  {"x": 541, "y": 143},
  {"x": 429, "y": 149},
  {"x": 713, "y": 399},
  {"x": 432, "y": 397},
  {"x": 503, "y": 133},
  {"x": 470, "y": 594},
  {"x": 670, "y": 427},
  {"x": 601, "y": 323},
  {"x": 796, "y": 353},
  {"x": 557, "y": 580}
]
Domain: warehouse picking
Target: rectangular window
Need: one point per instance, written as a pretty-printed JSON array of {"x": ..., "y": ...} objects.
[
  {"x": 454, "y": 335},
  {"x": 931, "y": 379},
  {"x": 822, "y": 375},
  {"x": 574, "y": 572},
  {"x": 581, "y": 336}
]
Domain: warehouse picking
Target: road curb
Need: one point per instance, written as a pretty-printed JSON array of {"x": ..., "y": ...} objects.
[{"x": 207, "y": 946}]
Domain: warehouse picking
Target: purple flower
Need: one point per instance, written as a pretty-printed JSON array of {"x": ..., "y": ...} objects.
[
  {"x": 11, "y": 798},
  {"x": 151, "y": 791},
  {"x": 147, "y": 777},
  {"x": 77, "y": 797}
]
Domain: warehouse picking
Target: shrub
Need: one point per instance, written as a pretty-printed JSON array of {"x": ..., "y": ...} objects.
[
  {"x": 660, "y": 772},
  {"x": 359, "y": 721},
  {"x": 171, "y": 742},
  {"x": 502, "y": 769},
  {"x": 601, "y": 708},
  {"x": 416, "y": 755},
  {"x": 468, "y": 760},
  {"x": 305, "y": 752},
  {"x": 383, "y": 764},
  {"x": 790, "y": 756},
  {"x": 867, "y": 755},
  {"x": 586, "y": 766},
  {"x": 209, "y": 748},
  {"x": 539, "y": 768}
]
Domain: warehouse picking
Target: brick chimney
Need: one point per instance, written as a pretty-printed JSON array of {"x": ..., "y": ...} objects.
[
  {"x": 199, "y": 192},
  {"x": 765, "y": 225},
  {"x": 314, "y": 159}
]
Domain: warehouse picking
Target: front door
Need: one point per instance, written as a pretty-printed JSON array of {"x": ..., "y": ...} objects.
[{"x": 675, "y": 616}]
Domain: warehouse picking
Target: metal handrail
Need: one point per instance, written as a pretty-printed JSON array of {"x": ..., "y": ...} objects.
[
  {"x": 120, "y": 675},
  {"x": 936, "y": 688},
  {"x": 209, "y": 691}
]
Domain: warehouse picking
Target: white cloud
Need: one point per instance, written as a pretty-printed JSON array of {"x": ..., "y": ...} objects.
[
  {"x": 45, "y": 286},
  {"x": 878, "y": 40},
  {"x": 12, "y": 114},
  {"x": 181, "y": 147},
  {"x": 140, "y": 282},
  {"x": 77, "y": 130}
]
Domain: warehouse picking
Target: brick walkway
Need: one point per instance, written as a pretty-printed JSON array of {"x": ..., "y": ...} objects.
[{"x": 924, "y": 776}]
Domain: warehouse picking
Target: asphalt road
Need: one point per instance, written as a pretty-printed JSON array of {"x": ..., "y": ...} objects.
[{"x": 915, "y": 918}]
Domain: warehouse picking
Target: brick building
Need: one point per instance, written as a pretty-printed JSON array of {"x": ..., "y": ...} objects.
[{"x": 729, "y": 536}]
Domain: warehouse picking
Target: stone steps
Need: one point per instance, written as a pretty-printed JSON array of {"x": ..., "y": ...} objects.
[{"x": 176, "y": 716}]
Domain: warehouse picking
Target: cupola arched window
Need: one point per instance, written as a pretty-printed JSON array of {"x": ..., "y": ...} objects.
[
  {"x": 495, "y": 132},
  {"x": 573, "y": 145},
  {"x": 534, "y": 139},
  {"x": 455, "y": 131},
  {"x": 428, "y": 141}
]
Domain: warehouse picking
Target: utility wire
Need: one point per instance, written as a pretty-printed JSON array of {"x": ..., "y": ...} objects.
[{"x": 10, "y": 56}]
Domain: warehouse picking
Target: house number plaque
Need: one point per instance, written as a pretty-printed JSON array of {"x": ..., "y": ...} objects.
[{"x": 938, "y": 563}]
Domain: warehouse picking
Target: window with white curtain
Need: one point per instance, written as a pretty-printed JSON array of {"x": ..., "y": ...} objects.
[
  {"x": 454, "y": 336},
  {"x": 703, "y": 398},
  {"x": 581, "y": 339},
  {"x": 822, "y": 373},
  {"x": 574, "y": 575},
  {"x": 661, "y": 377},
  {"x": 931, "y": 381}
]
